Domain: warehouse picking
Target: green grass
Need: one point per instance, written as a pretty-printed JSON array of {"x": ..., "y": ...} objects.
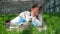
[{"x": 53, "y": 24}]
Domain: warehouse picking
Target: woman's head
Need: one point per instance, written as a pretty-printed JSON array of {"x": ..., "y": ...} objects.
[{"x": 36, "y": 9}]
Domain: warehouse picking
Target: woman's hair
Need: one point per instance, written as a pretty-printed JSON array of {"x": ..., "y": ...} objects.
[{"x": 36, "y": 5}]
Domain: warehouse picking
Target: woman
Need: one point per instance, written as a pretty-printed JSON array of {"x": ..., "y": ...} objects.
[{"x": 34, "y": 13}]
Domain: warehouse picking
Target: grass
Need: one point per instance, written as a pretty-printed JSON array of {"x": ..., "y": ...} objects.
[{"x": 53, "y": 24}]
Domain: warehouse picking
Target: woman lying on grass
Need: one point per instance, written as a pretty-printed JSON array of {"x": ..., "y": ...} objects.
[{"x": 34, "y": 14}]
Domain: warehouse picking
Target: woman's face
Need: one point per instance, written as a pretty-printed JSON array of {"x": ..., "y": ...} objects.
[{"x": 36, "y": 11}]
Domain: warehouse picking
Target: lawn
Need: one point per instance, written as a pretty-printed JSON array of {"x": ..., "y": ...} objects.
[{"x": 53, "y": 24}]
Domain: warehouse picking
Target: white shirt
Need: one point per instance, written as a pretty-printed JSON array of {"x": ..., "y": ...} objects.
[{"x": 26, "y": 15}]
